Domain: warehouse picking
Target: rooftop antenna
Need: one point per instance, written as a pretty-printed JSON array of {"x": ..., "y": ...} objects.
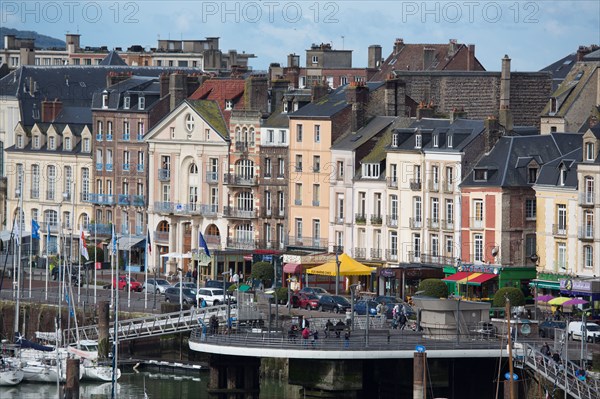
[{"x": 342, "y": 42}]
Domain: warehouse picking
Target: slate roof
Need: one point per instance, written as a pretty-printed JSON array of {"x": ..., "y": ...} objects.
[
  {"x": 410, "y": 58},
  {"x": 549, "y": 174},
  {"x": 378, "y": 153},
  {"x": 507, "y": 162},
  {"x": 277, "y": 119},
  {"x": 330, "y": 104},
  {"x": 352, "y": 141},
  {"x": 73, "y": 85},
  {"x": 134, "y": 86},
  {"x": 113, "y": 58},
  {"x": 211, "y": 113},
  {"x": 76, "y": 129},
  {"x": 593, "y": 56},
  {"x": 570, "y": 89},
  {"x": 219, "y": 90},
  {"x": 560, "y": 69}
]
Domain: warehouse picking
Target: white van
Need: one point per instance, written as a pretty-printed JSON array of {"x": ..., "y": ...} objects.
[{"x": 592, "y": 331}]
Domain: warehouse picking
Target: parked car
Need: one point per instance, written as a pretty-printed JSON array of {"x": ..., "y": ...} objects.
[
  {"x": 305, "y": 301},
  {"x": 212, "y": 296},
  {"x": 387, "y": 300},
  {"x": 360, "y": 308},
  {"x": 188, "y": 295},
  {"x": 333, "y": 303},
  {"x": 158, "y": 285},
  {"x": 592, "y": 331},
  {"x": 132, "y": 283},
  {"x": 318, "y": 291},
  {"x": 546, "y": 328},
  {"x": 187, "y": 285},
  {"x": 217, "y": 284}
]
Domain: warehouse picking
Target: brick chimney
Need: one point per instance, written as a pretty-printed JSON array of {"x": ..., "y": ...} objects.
[
  {"x": 398, "y": 45},
  {"x": 256, "y": 93},
  {"x": 164, "y": 84},
  {"x": 112, "y": 78},
  {"x": 278, "y": 89},
  {"x": 374, "y": 60},
  {"x": 318, "y": 91},
  {"x": 357, "y": 95},
  {"x": 394, "y": 97},
  {"x": 458, "y": 114},
  {"x": 582, "y": 51},
  {"x": 471, "y": 57},
  {"x": 491, "y": 133},
  {"x": 426, "y": 110},
  {"x": 50, "y": 110},
  {"x": 177, "y": 89},
  {"x": 505, "y": 119}
]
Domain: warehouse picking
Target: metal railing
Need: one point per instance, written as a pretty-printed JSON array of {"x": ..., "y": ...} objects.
[
  {"x": 559, "y": 230},
  {"x": 415, "y": 223},
  {"x": 164, "y": 174},
  {"x": 392, "y": 220}
]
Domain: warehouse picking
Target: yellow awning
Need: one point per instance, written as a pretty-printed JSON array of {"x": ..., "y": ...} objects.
[{"x": 348, "y": 267}]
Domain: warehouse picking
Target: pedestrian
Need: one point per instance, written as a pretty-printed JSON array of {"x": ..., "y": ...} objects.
[
  {"x": 188, "y": 275},
  {"x": 305, "y": 335},
  {"x": 339, "y": 327},
  {"x": 347, "y": 339},
  {"x": 328, "y": 328},
  {"x": 378, "y": 308},
  {"x": 315, "y": 338},
  {"x": 545, "y": 349},
  {"x": 402, "y": 320},
  {"x": 195, "y": 274}
]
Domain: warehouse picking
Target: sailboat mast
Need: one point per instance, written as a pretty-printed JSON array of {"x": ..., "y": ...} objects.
[
  {"x": 510, "y": 357},
  {"x": 20, "y": 221}
]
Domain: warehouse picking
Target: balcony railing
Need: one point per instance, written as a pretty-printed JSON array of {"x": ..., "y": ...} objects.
[
  {"x": 140, "y": 167},
  {"x": 338, "y": 219},
  {"x": 50, "y": 195},
  {"x": 85, "y": 197},
  {"x": 126, "y": 136},
  {"x": 360, "y": 218},
  {"x": 433, "y": 223},
  {"x": 586, "y": 199},
  {"x": 212, "y": 177},
  {"x": 375, "y": 253},
  {"x": 436, "y": 259},
  {"x": 34, "y": 194},
  {"x": 213, "y": 239},
  {"x": 232, "y": 212},
  {"x": 448, "y": 187},
  {"x": 124, "y": 228},
  {"x": 109, "y": 137},
  {"x": 476, "y": 223},
  {"x": 392, "y": 182},
  {"x": 447, "y": 224},
  {"x": 559, "y": 230},
  {"x": 161, "y": 236},
  {"x": 414, "y": 257},
  {"x": 242, "y": 243},
  {"x": 164, "y": 174},
  {"x": 140, "y": 137},
  {"x": 101, "y": 229},
  {"x": 278, "y": 212},
  {"x": 239, "y": 180},
  {"x": 164, "y": 207},
  {"x": 241, "y": 146},
  {"x": 312, "y": 242},
  {"x": 139, "y": 230},
  {"x": 109, "y": 167},
  {"x": 434, "y": 186},
  {"x": 124, "y": 199},
  {"x": 138, "y": 200},
  {"x": 99, "y": 165},
  {"x": 376, "y": 220},
  {"x": 391, "y": 255},
  {"x": 586, "y": 232},
  {"x": 415, "y": 223},
  {"x": 415, "y": 184},
  {"x": 392, "y": 221},
  {"x": 359, "y": 253},
  {"x": 126, "y": 166},
  {"x": 316, "y": 203},
  {"x": 102, "y": 199}
]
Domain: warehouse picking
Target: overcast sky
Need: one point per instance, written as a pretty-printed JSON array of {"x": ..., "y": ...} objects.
[{"x": 533, "y": 33}]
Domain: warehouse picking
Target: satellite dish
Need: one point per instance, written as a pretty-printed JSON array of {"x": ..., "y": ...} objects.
[{"x": 495, "y": 251}]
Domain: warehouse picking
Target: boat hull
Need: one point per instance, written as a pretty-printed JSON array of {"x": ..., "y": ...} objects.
[{"x": 11, "y": 377}]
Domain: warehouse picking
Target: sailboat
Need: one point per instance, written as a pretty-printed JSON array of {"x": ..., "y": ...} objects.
[
  {"x": 87, "y": 351},
  {"x": 9, "y": 374}
]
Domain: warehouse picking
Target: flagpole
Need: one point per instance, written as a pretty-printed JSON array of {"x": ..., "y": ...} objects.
[
  {"x": 146, "y": 268},
  {"x": 30, "y": 250},
  {"x": 47, "y": 244},
  {"x": 112, "y": 268},
  {"x": 79, "y": 272},
  {"x": 95, "y": 261},
  {"x": 20, "y": 212},
  {"x": 129, "y": 272}
]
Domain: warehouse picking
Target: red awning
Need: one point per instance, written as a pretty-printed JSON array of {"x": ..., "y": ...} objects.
[
  {"x": 457, "y": 276},
  {"x": 292, "y": 268},
  {"x": 481, "y": 278}
]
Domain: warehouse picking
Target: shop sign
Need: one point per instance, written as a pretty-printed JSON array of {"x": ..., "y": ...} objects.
[
  {"x": 576, "y": 285},
  {"x": 387, "y": 273},
  {"x": 478, "y": 268}
]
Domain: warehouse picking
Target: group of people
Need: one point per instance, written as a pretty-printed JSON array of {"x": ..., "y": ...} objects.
[
  {"x": 307, "y": 333},
  {"x": 399, "y": 318}
]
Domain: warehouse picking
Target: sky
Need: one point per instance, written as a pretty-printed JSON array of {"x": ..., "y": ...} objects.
[{"x": 532, "y": 33}]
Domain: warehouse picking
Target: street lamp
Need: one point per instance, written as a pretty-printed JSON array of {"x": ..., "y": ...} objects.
[
  {"x": 337, "y": 269},
  {"x": 535, "y": 259},
  {"x": 352, "y": 293},
  {"x": 228, "y": 321},
  {"x": 289, "y": 293},
  {"x": 179, "y": 273}
]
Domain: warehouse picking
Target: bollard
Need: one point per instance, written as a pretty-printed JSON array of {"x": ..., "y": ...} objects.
[{"x": 419, "y": 375}]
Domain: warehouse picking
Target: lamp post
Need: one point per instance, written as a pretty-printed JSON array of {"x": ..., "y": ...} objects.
[
  {"x": 352, "y": 293},
  {"x": 535, "y": 259},
  {"x": 289, "y": 293},
  {"x": 228, "y": 321},
  {"x": 179, "y": 273},
  {"x": 337, "y": 269}
]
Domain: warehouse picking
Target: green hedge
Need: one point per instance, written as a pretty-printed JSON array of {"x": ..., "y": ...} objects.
[
  {"x": 514, "y": 294},
  {"x": 433, "y": 287}
]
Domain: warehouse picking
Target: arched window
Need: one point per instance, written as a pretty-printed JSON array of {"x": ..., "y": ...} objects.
[
  {"x": 251, "y": 137},
  {"x": 51, "y": 218},
  {"x": 163, "y": 226},
  {"x": 189, "y": 122},
  {"x": 193, "y": 169}
]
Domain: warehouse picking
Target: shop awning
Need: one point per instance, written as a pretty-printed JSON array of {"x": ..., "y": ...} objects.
[
  {"x": 470, "y": 278},
  {"x": 292, "y": 268},
  {"x": 550, "y": 285},
  {"x": 126, "y": 243}
]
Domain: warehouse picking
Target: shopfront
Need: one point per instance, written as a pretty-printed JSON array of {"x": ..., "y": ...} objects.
[{"x": 588, "y": 289}]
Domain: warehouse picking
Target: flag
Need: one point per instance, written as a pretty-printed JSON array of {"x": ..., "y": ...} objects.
[
  {"x": 35, "y": 229},
  {"x": 83, "y": 247},
  {"x": 149, "y": 243},
  {"x": 114, "y": 241},
  {"x": 202, "y": 243},
  {"x": 17, "y": 232},
  {"x": 71, "y": 310}
]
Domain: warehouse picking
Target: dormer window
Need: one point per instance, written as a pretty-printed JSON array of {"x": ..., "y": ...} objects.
[
  {"x": 19, "y": 141},
  {"x": 394, "y": 140},
  {"x": 563, "y": 175},
  {"x": 51, "y": 143},
  {"x": 141, "y": 102},
  {"x": 36, "y": 141},
  {"x": 127, "y": 102},
  {"x": 480, "y": 175},
  {"x": 532, "y": 175},
  {"x": 67, "y": 143},
  {"x": 449, "y": 141},
  {"x": 285, "y": 107},
  {"x": 370, "y": 170},
  {"x": 436, "y": 138},
  {"x": 418, "y": 140},
  {"x": 228, "y": 104},
  {"x": 315, "y": 59},
  {"x": 86, "y": 145},
  {"x": 105, "y": 99},
  {"x": 589, "y": 151}
]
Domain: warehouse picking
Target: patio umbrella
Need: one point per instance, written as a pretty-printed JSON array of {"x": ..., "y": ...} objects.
[
  {"x": 559, "y": 301},
  {"x": 244, "y": 287},
  {"x": 576, "y": 301},
  {"x": 544, "y": 298}
]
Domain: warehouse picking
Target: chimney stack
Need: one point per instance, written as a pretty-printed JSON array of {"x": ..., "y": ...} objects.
[
  {"x": 458, "y": 114},
  {"x": 164, "y": 84},
  {"x": 50, "y": 110},
  {"x": 506, "y": 119},
  {"x": 428, "y": 57},
  {"x": 357, "y": 94},
  {"x": 398, "y": 45},
  {"x": 491, "y": 133},
  {"x": 374, "y": 61},
  {"x": 318, "y": 91},
  {"x": 471, "y": 57},
  {"x": 425, "y": 111},
  {"x": 394, "y": 97},
  {"x": 256, "y": 93},
  {"x": 177, "y": 89}
]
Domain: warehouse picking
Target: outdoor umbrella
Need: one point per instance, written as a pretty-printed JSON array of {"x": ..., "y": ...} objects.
[
  {"x": 575, "y": 301},
  {"x": 544, "y": 298},
  {"x": 559, "y": 301}
]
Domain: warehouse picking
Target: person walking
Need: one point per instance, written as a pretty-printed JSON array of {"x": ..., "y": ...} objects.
[
  {"x": 305, "y": 335},
  {"x": 545, "y": 349}
]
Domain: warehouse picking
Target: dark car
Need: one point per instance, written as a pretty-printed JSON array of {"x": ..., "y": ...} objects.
[
  {"x": 359, "y": 308},
  {"x": 217, "y": 284},
  {"x": 188, "y": 285},
  {"x": 546, "y": 328},
  {"x": 318, "y": 291},
  {"x": 188, "y": 295},
  {"x": 388, "y": 300},
  {"x": 333, "y": 303},
  {"x": 305, "y": 301}
]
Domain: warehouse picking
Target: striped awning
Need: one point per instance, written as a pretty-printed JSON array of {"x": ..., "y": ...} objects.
[
  {"x": 292, "y": 268},
  {"x": 470, "y": 278}
]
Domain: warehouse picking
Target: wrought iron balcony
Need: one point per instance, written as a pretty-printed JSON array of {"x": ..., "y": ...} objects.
[
  {"x": 164, "y": 207},
  {"x": 126, "y": 166},
  {"x": 213, "y": 239},
  {"x": 360, "y": 218},
  {"x": 161, "y": 236},
  {"x": 559, "y": 230},
  {"x": 414, "y": 257},
  {"x": 392, "y": 221},
  {"x": 312, "y": 242},
  {"x": 448, "y": 187},
  {"x": 476, "y": 223},
  {"x": 102, "y": 199},
  {"x": 164, "y": 174},
  {"x": 239, "y": 180},
  {"x": 232, "y": 212},
  {"x": 100, "y": 229},
  {"x": 315, "y": 203},
  {"x": 140, "y": 167},
  {"x": 109, "y": 167},
  {"x": 126, "y": 136},
  {"x": 434, "y": 186},
  {"x": 140, "y": 137},
  {"x": 242, "y": 243},
  {"x": 433, "y": 223},
  {"x": 415, "y": 223},
  {"x": 338, "y": 219},
  {"x": 391, "y": 255},
  {"x": 241, "y": 146},
  {"x": 447, "y": 224},
  {"x": 98, "y": 136},
  {"x": 376, "y": 220},
  {"x": 298, "y": 201},
  {"x": 586, "y": 199},
  {"x": 392, "y": 182},
  {"x": 109, "y": 137},
  {"x": 212, "y": 177},
  {"x": 415, "y": 184},
  {"x": 586, "y": 232},
  {"x": 99, "y": 166},
  {"x": 375, "y": 253},
  {"x": 138, "y": 200},
  {"x": 124, "y": 199},
  {"x": 359, "y": 253}
]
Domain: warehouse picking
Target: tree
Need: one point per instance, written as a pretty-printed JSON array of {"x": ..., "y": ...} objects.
[
  {"x": 281, "y": 294},
  {"x": 434, "y": 287},
  {"x": 263, "y": 271},
  {"x": 514, "y": 294}
]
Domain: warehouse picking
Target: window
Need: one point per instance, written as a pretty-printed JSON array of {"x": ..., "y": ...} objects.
[
  {"x": 86, "y": 145},
  {"x": 193, "y": 196},
  {"x": 245, "y": 201},
  {"x": 316, "y": 231},
  {"x": 478, "y": 210},
  {"x": 140, "y": 161},
  {"x": 68, "y": 181},
  {"x": 417, "y": 173},
  {"x": 480, "y": 174},
  {"x": 299, "y": 133},
  {"x": 435, "y": 245},
  {"x": 417, "y": 245},
  {"x": 588, "y": 220},
  {"x": 394, "y": 208},
  {"x": 141, "y": 103},
  {"x": 561, "y": 218},
  {"x": 449, "y": 246},
  {"x": 109, "y": 130},
  {"x": 105, "y": 99},
  {"x": 35, "y": 181},
  {"x": 317, "y": 133},
  {"x": 449, "y": 139},
  {"x": 140, "y": 131},
  {"x": 166, "y": 192},
  {"x": 340, "y": 208},
  {"x": 85, "y": 183},
  {"x": 280, "y": 202},
  {"x": 127, "y": 102},
  {"x": 589, "y": 151},
  {"x": 51, "y": 143},
  {"x": 298, "y": 163},
  {"x": 589, "y": 190},
  {"x": 561, "y": 257},
  {"x": 244, "y": 168},
  {"x": 435, "y": 177},
  {"x": 340, "y": 170},
  {"x": 563, "y": 175},
  {"x": 316, "y": 194},
  {"x": 270, "y": 136},
  {"x": 435, "y": 210},
  {"x": 268, "y": 168},
  {"x": 228, "y": 105},
  {"x": 268, "y": 201},
  {"x": 532, "y": 175},
  {"x": 530, "y": 245},
  {"x": 418, "y": 140},
  {"x": 436, "y": 140},
  {"x": 282, "y": 139},
  {"x": 51, "y": 183},
  {"x": 362, "y": 203},
  {"x": 67, "y": 143},
  {"x": 316, "y": 163},
  {"x": 214, "y": 199},
  {"x": 449, "y": 178},
  {"x": 449, "y": 212},
  {"x": 315, "y": 59},
  {"x": 281, "y": 168},
  {"x": 189, "y": 122},
  {"x": 20, "y": 176},
  {"x": 394, "y": 140},
  {"x": 417, "y": 209},
  {"x": 298, "y": 195},
  {"x": 298, "y": 223},
  {"x": 126, "y": 160},
  {"x": 530, "y": 209},
  {"x": 377, "y": 205},
  {"x": 19, "y": 141},
  {"x": 588, "y": 257},
  {"x": 394, "y": 174},
  {"x": 36, "y": 142},
  {"x": 478, "y": 247},
  {"x": 370, "y": 170}
]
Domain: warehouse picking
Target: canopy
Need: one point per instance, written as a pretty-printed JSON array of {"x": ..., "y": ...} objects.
[
  {"x": 576, "y": 301},
  {"x": 176, "y": 255},
  {"x": 470, "y": 278},
  {"x": 126, "y": 242},
  {"x": 292, "y": 268},
  {"x": 348, "y": 267},
  {"x": 544, "y": 298},
  {"x": 559, "y": 301}
]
